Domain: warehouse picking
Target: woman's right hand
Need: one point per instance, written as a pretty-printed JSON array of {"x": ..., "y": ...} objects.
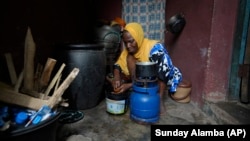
[
  {"x": 116, "y": 83},
  {"x": 116, "y": 86}
]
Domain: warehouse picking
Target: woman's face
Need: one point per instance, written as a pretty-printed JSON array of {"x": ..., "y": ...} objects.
[{"x": 129, "y": 42}]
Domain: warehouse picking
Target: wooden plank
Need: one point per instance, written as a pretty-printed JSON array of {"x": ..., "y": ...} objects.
[
  {"x": 15, "y": 98},
  {"x": 4, "y": 85},
  {"x": 45, "y": 77},
  {"x": 10, "y": 96},
  {"x": 11, "y": 68},
  {"x": 58, "y": 93},
  {"x": 54, "y": 80},
  {"x": 29, "y": 55},
  {"x": 19, "y": 82}
]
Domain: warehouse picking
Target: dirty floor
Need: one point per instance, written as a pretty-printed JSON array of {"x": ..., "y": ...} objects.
[{"x": 98, "y": 125}]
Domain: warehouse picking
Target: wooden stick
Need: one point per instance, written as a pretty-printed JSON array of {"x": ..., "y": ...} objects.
[
  {"x": 37, "y": 77},
  {"x": 59, "y": 92},
  {"x": 32, "y": 93},
  {"x": 19, "y": 82},
  {"x": 4, "y": 85},
  {"x": 45, "y": 77},
  {"x": 11, "y": 68},
  {"x": 52, "y": 83},
  {"x": 57, "y": 82},
  {"x": 29, "y": 55},
  {"x": 15, "y": 98}
]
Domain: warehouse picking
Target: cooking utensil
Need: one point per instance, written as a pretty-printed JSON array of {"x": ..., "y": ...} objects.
[
  {"x": 146, "y": 69},
  {"x": 176, "y": 23}
]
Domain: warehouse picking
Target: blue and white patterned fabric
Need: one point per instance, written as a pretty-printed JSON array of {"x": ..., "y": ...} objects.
[
  {"x": 167, "y": 72},
  {"x": 149, "y": 13}
]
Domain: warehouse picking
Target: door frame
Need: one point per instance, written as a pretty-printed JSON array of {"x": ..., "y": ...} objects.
[{"x": 239, "y": 48}]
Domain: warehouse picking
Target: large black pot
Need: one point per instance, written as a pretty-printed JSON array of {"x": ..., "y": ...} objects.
[{"x": 87, "y": 89}]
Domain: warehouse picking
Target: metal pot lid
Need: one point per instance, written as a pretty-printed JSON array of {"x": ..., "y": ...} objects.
[{"x": 146, "y": 63}]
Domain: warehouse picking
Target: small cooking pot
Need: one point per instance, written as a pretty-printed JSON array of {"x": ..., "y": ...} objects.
[
  {"x": 146, "y": 69},
  {"x": 176, "y": 23}
]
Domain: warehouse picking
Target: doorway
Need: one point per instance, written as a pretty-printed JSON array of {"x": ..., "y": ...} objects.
[{"x": 240, "y": 68}]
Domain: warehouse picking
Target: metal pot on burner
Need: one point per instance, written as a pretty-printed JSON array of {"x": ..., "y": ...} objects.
[{"x": 146, "y": 70}]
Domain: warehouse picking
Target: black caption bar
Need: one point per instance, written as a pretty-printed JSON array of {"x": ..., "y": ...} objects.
[{"x": 197, "y": 132}]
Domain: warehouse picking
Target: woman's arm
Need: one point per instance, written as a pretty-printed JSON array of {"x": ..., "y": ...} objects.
[
  {"x": 167, "y": 72},
  {"x": 117, "y": 83},
  {"x": 117, "y": 77}
]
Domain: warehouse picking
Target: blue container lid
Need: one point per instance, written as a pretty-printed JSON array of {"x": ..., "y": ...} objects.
[{"x": 21, "y": 117}]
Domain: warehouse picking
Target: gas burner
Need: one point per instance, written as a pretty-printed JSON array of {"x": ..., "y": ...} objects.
[
  {"x": 144, "y": 99},
  {"x": 146, "y": 79}
]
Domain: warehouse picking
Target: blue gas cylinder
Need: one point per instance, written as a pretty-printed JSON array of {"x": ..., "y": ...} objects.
[{"x": 145, "y": 104}]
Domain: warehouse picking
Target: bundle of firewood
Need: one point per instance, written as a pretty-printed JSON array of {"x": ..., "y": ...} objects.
[{"x": 32, "y": 88}]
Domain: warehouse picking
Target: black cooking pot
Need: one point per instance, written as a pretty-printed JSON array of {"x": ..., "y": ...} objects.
[
  {"x": 176, "y": 23},
  {"x": 146, "y": 69}
]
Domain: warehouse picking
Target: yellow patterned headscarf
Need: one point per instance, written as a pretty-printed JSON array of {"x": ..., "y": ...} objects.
[{"x": 144, "y": 46}]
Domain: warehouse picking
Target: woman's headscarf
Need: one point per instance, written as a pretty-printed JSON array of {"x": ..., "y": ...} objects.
[
  {"x": 144, "y": 46},
  {"x": 119, "y": 21}
]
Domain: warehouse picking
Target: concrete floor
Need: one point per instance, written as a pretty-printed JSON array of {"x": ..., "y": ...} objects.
[
  {"x": 98, "y": 125},
  {"x": 229, "y": 112}
]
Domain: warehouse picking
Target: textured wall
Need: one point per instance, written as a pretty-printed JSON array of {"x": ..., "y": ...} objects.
[{"x": 203, "y": 49}]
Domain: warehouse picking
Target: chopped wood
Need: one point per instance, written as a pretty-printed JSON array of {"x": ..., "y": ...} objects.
[
  {"x": 45, "y": 77},
  {"x": 12, "y": 97},
  {"x": 23, "y": 98},
  {"x": 11, "y": 68},
  {"x": 57, "y": 82},
  {"x": 37, "y": 76},
  {"x": 54, "y": 80},
  {"x": 32, "y": 93},
  {"x": 29, "y": 55},
  {"x": 65, "y": 84},
  {"x": 19, "y": 82},
  {"x": 4, "y": 85}
]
